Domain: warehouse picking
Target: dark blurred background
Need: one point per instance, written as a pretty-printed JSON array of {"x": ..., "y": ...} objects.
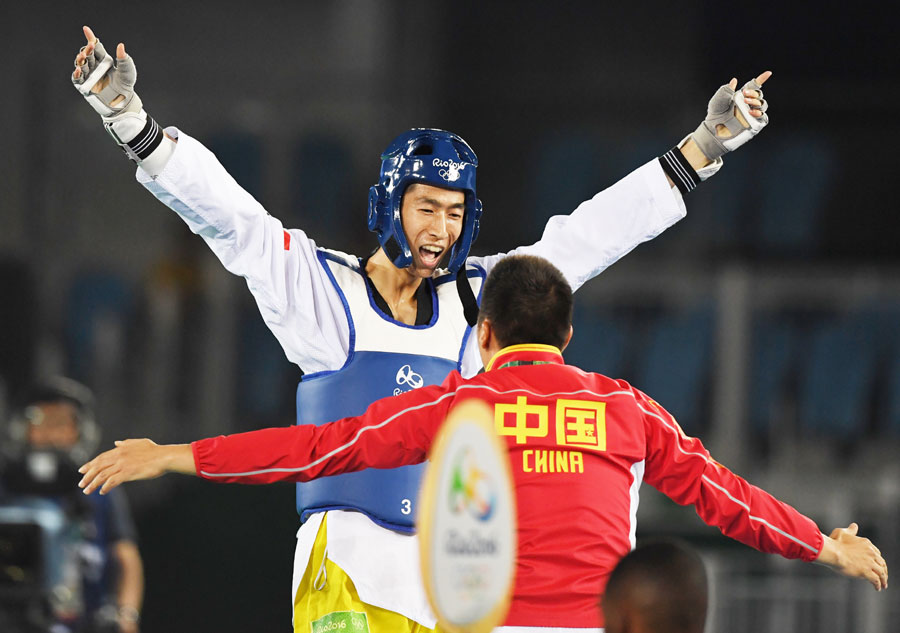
[{"x": 766, "y": 321}]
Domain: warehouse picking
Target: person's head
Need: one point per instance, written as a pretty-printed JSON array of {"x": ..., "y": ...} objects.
[
  {"x": 525, "y": 299},
  {"x": 424, "y": 207},
  {"x": 657, "y": 588},
  {"x": 58, "y": 414}
]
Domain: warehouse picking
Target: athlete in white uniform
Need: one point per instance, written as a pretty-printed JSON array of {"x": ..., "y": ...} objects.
[{"x": 329, "y": 310}]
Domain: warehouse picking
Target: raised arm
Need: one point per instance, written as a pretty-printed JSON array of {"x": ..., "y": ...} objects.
[
  {"x": 107, "y": 84},
  {"x": 642, "y": 205},
  {"x": 282, "y": 268}
]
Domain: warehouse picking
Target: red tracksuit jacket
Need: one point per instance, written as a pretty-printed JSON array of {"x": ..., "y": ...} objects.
[{"x": 580, "y": 444}]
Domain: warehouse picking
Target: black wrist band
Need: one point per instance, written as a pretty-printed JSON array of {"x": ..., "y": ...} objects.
[
  {"x": 679, "y": 170},
  {"x": 142, "y": 145}
]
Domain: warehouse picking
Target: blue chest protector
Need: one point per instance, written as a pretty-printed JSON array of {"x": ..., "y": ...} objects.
[
  {"x": 385, "y": 358},
  {"x": 388, "y": 497}
]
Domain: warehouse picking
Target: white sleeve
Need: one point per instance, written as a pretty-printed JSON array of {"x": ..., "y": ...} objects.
[
  {"x": 605, "y": 228},
  {"x": 597, "y": 234},
  {"x": 292, "y": 289}
]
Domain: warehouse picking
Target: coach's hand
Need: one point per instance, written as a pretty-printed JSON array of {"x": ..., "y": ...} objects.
[
  {"x": 854, "y": 556},
  {"x": 132, "y": 460}
]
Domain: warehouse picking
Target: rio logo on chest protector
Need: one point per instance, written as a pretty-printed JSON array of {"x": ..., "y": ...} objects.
[{"x": 407, "y": 380}]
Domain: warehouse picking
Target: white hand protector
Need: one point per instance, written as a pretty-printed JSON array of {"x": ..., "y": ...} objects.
[
  {"x": 121, "y": 75},
  {"x": 721, "y": 111},
  {"x": 108, "y": 85}
]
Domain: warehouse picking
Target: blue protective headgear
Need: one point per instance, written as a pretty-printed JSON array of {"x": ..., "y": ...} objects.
[{"x": 432, "y": 157}]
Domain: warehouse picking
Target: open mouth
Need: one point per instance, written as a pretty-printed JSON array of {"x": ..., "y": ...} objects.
[{"x": 430, "y": 255}]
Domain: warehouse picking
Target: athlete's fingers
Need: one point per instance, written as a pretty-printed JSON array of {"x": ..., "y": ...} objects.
[
  {"x": 733, "y": 83},
  {"x": 120, "y": 51},
  {"x": 763, "y": 77},
  {"x": 76, "y": 74},
  {"x": 89, "y": 34},
  {"x": 90, "y": 58}
]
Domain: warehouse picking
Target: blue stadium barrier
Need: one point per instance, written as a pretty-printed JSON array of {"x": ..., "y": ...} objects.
[
  {"x": 772, "y": 351},
  {"x": 599, "y": 342},
  {"x": 884, "y": 323},
  {"x": 321, "y": 187},
  {"x": 675, "y": 367},
  {"x": 791, "y": 192},
  {"x": 892, "y": 410},
  {"x": 569, "y": 168},
  {"x": 264, "y": 389},
  {"x": 95, "y": 300},
  {"x": 837, "y": 380}
]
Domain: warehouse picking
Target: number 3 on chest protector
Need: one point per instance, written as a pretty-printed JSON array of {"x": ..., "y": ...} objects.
[{"x": 406, "y": 506}]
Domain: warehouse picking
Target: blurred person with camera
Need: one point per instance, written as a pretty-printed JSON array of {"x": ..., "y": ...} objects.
[{"x": 73, "y": 562}]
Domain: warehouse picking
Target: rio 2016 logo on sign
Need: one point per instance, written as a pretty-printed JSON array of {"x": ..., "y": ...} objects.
[
  {"x": 471, "y": 488},
  {"x": 466, "y": 523}
]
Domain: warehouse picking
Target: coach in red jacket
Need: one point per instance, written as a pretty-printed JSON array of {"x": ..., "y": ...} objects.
[{"x": 580, "y": 445}]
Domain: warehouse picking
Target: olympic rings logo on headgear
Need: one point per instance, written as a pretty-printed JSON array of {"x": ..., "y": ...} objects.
[
  {"x": 432, "y": 157},
  {"x": 451, "y": 174}
]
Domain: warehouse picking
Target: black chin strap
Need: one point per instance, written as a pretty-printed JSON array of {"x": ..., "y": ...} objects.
[{"x": 467, "y": 297}]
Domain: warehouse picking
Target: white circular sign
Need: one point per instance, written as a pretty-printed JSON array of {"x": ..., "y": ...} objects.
[{"x": 467, "y": 522}]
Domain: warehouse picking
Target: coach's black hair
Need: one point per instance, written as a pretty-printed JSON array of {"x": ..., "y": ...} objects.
[
  {"x": 527, "y": 300},
  {"x": 661, "y": 583}
]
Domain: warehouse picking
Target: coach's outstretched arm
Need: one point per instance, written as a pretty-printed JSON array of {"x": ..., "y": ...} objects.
[
  {"x": 108, "y": 85},
  {"x": 132, "y": 460}
]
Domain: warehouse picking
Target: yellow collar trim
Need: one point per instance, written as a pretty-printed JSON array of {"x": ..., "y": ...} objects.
[{"x": 523, "y": 347}]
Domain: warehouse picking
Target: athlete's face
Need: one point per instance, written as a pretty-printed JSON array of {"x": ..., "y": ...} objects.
[{"x": 432, "y": 221}]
